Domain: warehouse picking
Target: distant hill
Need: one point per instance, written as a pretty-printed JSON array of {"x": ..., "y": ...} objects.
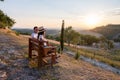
[
  {"x": 29, "y": 31},
  {"x": 88, "y": 32},
  {"x": 109, "y": 31}
]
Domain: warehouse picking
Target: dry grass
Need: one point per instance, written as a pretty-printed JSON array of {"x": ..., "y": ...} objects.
[
  {"x": 67, "y": 69},
  {"x": 101, "y": 55}
]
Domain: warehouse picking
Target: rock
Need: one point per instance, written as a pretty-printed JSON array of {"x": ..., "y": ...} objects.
[
  {"x": 2, "y": 66},
  {"x": 2, "y": 74}
]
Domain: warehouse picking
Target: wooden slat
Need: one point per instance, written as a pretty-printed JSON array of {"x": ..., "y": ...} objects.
[{"x": 37, "y": 45}]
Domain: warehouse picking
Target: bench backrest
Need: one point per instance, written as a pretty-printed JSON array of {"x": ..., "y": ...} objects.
[{"x": 37, "y": 45}]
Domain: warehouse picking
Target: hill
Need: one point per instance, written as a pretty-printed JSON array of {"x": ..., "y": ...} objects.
[
  {"x": 88, "y": 32},
  {"x": 29, "y": 31},
  {"x": 109, "y": 31},
  {"x": 14, "y": 64}
]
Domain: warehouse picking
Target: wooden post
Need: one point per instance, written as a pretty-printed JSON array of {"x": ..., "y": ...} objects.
[{"x": 30, "y": 50}]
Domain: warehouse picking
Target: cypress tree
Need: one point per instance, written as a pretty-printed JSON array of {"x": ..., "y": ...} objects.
[
  {"x": 62, "y": 36},
  {"x": 1, "y": 0}
]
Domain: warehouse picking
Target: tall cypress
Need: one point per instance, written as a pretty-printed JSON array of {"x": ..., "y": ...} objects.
[
  {"x": 1, "y": 0},
  {"x": 62, "y": 36}
]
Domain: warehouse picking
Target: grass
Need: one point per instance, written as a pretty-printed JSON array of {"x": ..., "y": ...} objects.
[
  {"x": 101, "y": 55},
  {"x": 110, "y": 58},
  {"x": 17, "y": 33},
  {"x": 77, "y": 55}
]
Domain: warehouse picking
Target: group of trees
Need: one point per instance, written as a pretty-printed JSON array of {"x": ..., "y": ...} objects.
[
  {"x": 73, "y": 37},
  {"x": 5, "y": 21}
]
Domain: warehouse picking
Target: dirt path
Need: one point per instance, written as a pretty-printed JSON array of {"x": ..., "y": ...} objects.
[{"x": 15, "y": 66}]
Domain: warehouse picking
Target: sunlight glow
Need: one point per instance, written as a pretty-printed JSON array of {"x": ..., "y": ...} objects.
[{"x": 92, "y": 20}]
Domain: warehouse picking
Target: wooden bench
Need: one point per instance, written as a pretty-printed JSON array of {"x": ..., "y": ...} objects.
[{"x": 43, "y": 52}]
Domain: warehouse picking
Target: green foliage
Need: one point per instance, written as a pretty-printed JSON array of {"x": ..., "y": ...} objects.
[
  {"x": 89, "y": 40},
  {"x": 106, "y": 44},
  {"x": 110, "y": 44},
  {"x": 109, "y": 31},
  {"x": 71, "y": 36},
  {"x": 2, "y": 25},
  {"x": 17, "y": 33},
  {"x": 5, "y": 21},
  {"x": 117, "y": 39},
  {"x": 1, "y": 0},
  {"x": 49, "y": 36},
  {"x": 68, "y": 36},
  {"x": 24, "y": 33},
  {"x": 53, "y": 37},
  {"x": 77, "y": 55},
  {"x": 62, "y": 36},
  {"x": 101, "y": 55},
  {"x": 58, "y": 49}
]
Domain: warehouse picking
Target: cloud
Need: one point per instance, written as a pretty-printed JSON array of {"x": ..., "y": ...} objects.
[{"x": 114, "y": 12}]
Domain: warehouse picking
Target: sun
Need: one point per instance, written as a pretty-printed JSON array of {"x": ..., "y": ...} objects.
[{"x": 92, "y": 20}]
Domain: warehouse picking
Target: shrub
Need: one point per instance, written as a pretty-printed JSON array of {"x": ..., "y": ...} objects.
[
  {"x": 17, "y": 33},
  {"x": 58, "y": 50},
  {"x": 8, "y": 32},
  {"x": 77, "y": 55}
]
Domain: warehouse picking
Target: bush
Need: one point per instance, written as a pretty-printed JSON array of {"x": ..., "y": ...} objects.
[
  {"x": 17, "y": 33},
  {"x": 77, "y": 55},
  {"x": 8, "y": 32}
]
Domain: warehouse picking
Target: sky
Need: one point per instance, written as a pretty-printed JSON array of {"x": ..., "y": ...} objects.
[{"x": 80, "y": 14}]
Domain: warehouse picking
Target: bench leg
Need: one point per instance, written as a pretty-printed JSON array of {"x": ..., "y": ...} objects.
[
  {"x": 39, "y": 60},
  {"x": 53, "y": 60},
  {"x": 30, "y": 53}
]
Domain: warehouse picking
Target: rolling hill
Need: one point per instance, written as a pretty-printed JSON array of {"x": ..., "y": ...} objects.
[
  {"x": 88, "y": 32},
  {"x": 109, "y": 31}
]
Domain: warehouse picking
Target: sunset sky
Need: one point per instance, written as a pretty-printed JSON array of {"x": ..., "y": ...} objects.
[{"x": 82, "y": 14}]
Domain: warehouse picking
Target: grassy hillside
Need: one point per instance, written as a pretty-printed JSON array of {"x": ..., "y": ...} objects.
[
  {"x": 109, "y": 31},
  {"x": 14, "y": 63}
]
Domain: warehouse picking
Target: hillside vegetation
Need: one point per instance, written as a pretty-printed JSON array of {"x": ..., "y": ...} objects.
[
  {"x": 109, "y": 31},
  {"x": 5, "y": 20},
  {"x": 14, "y": 64}
]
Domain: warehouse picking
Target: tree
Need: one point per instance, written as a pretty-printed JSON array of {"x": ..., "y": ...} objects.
[
  {"x": 5, "y": 21},
  {"x": 89, "y": 40},
  {"x": 62, "y": 36},
  {"x": 71, "y": 36},
  {"x": 1, "y": 0},
  {"x": 110, "y": 44},
  {"x": 76, "y": 37},
  {"x": 68, "y": 35}
]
